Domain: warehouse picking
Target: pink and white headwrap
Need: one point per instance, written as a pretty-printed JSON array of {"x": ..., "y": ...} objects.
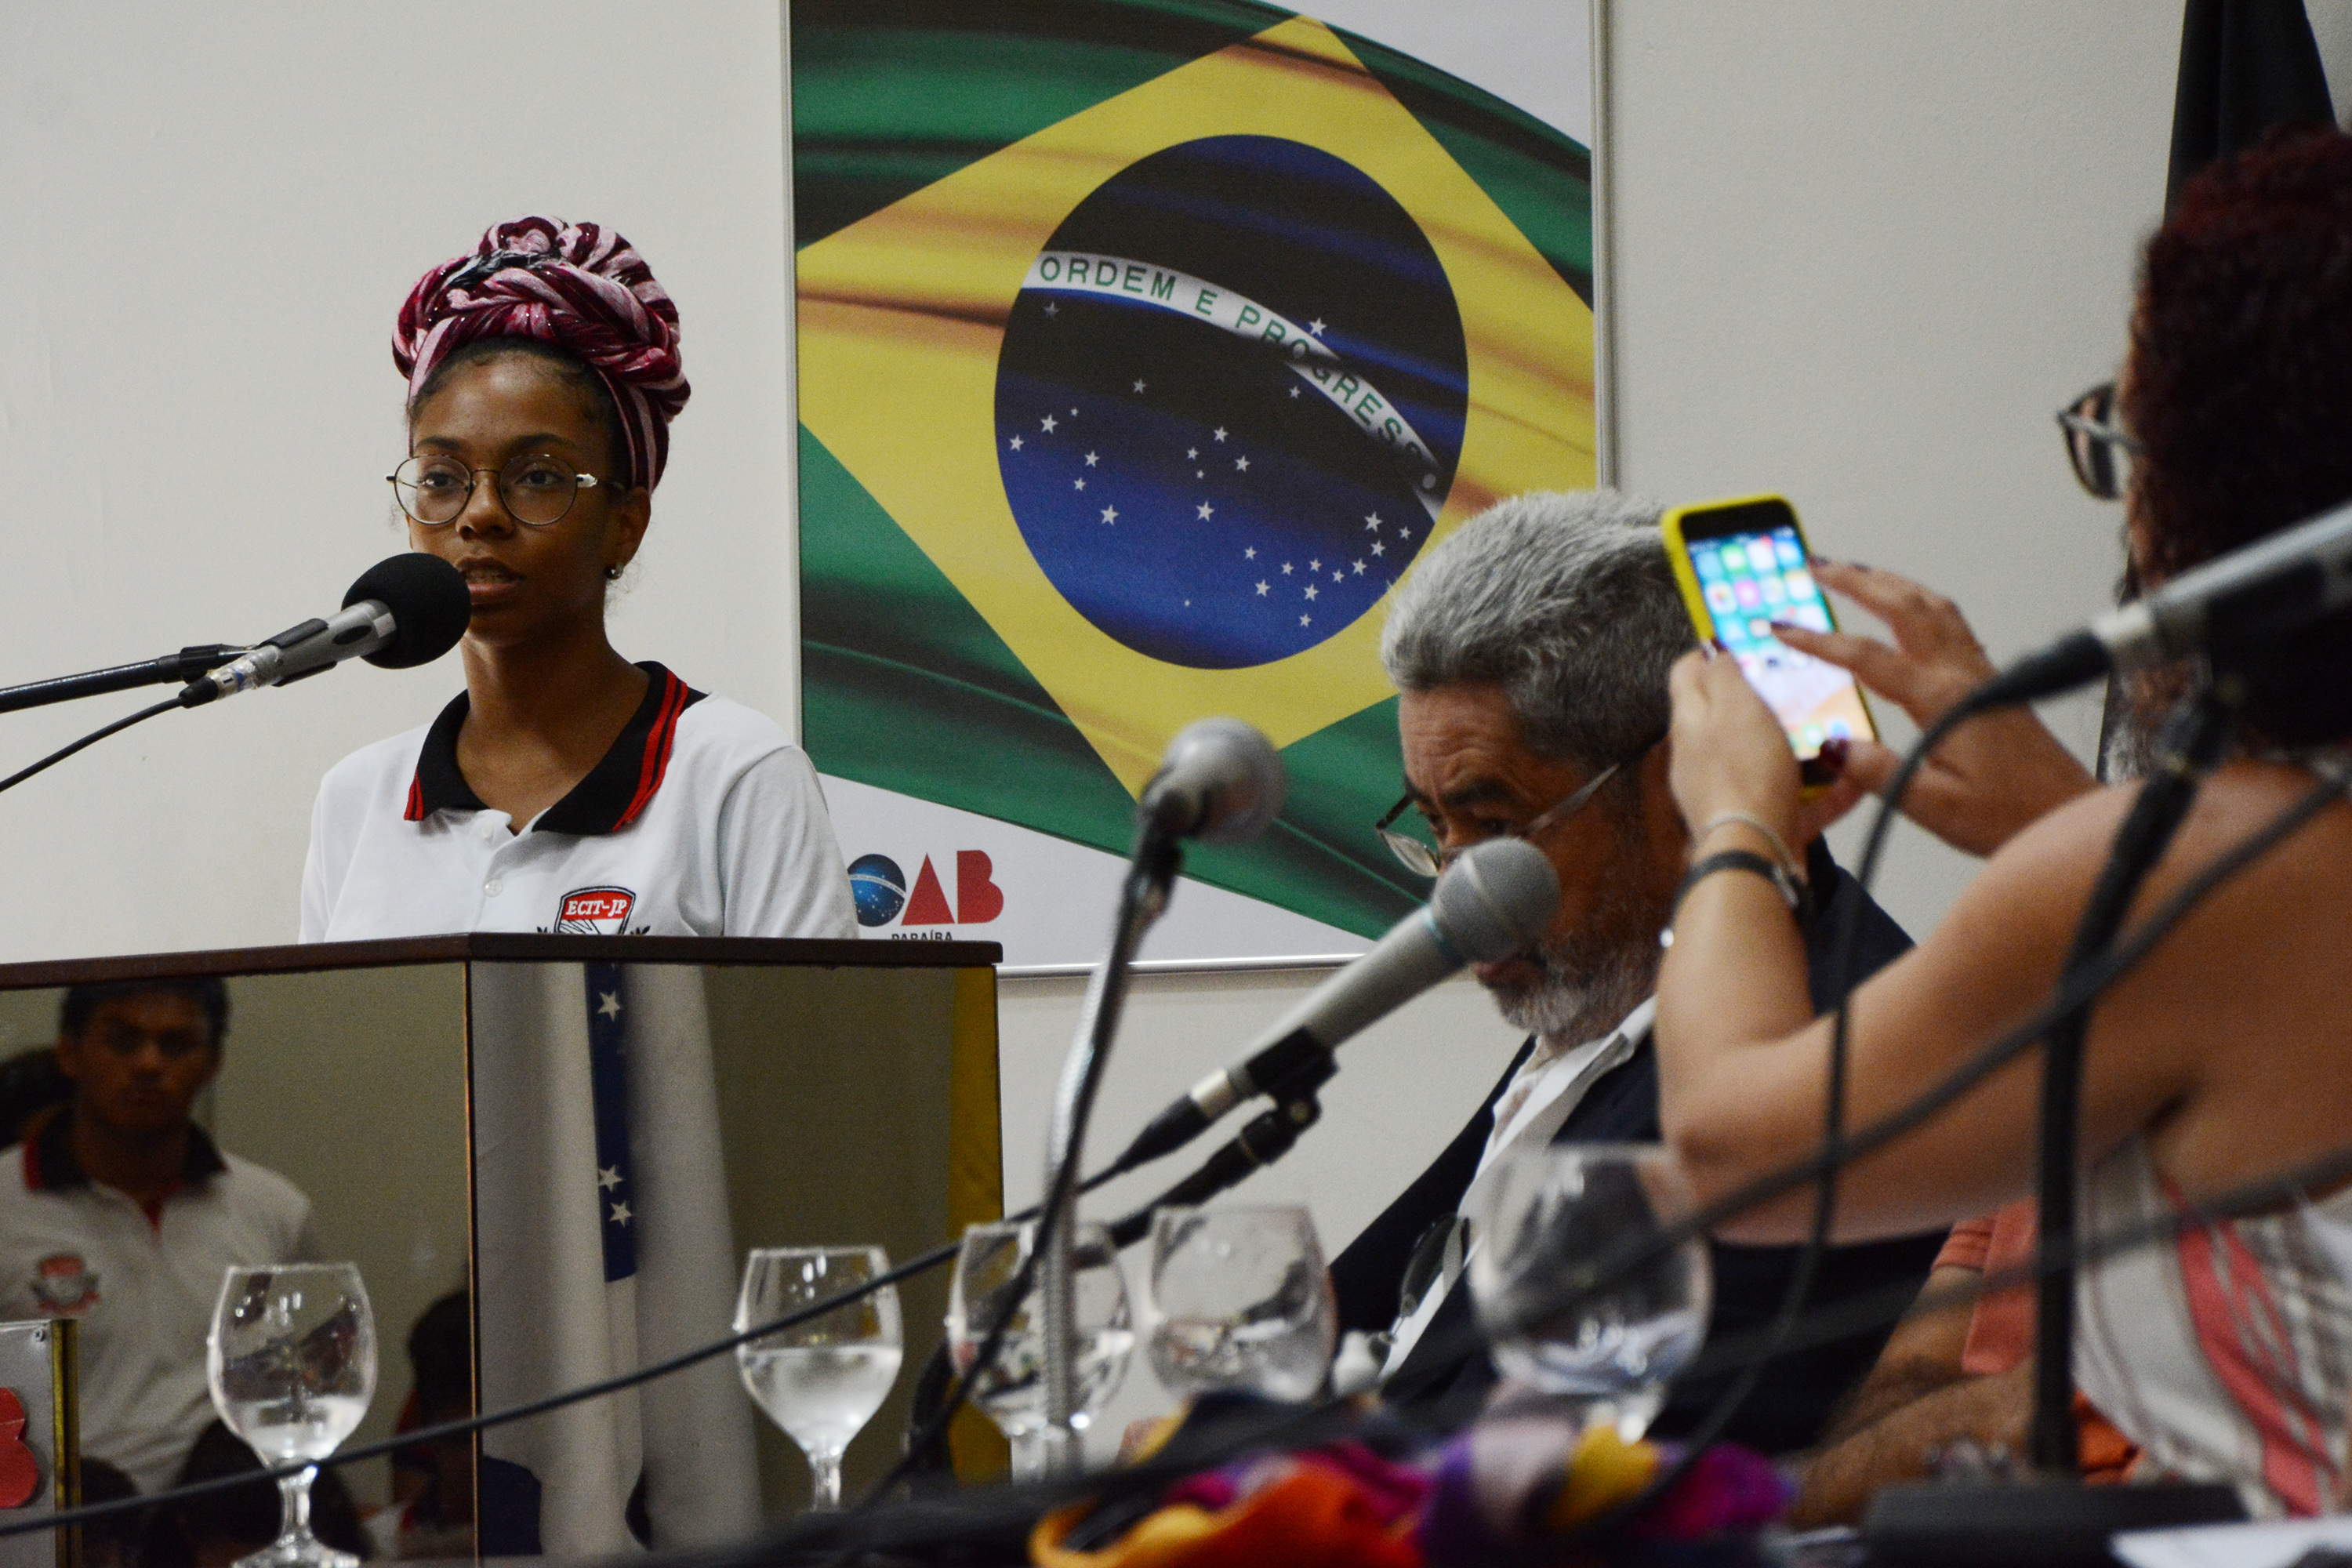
[{"x": 578, "y": 286}]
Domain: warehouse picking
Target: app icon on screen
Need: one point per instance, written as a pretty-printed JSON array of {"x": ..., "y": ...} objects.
[
  {"x": 1840, "y": 730},
  {"x": 1760, "y": 556},
  {"x": 1812, "y": 737},
  {"x": 1773, "y": 592},
  {"x": 1719, "y": 598},
  {"x": 1812, "y": 615},
  {"x": 1748, "y": 594},
  {"x": 1801, "y": 584},
  {"x": 1789, "y": 553},
  {"x": 1710, "y": 566},
  {"x": 1760, "y": 630}
]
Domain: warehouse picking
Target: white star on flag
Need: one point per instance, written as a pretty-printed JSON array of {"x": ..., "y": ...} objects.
[
  {"x": 1310, "y": 593},
  {"x": 608, "y": 1177},
  {"x": 1404, "y": 533},
  {"x": 1316, "y": 326},
  {"x": 1206, "y": 512},
  {"x": 1286, "y": 568},
  {"x": 1016, "y": 443},
  {"x": 1315, "y": 566},
  {"x": 1219, "y": 432},
  {"x": 1359, "y": 568},
  {"x": 620, "y": 1213},
  {"x": 1251, "y": 554},
  {"x": 1046, "y": 425},
  {"x": 1139, "y": 387},
  {"x": 1078, "y": 484},
  {"x": 1192, "y": 454},
  {"x": 1242, "y": 463},
  {"x": 1373, "y": 523},
  {"x": 1294, "y": 391},
  {"x": 1261, "y": 588},
  {"x": 1052, "y": 309},
  {"x": 1111, "y": 514},
  {"x": 1090, "y": 460},
  {"x": 1376, "y": 547},
  {"x": 1306, "y": 620},
  {"x": 609, "y": 1004}
]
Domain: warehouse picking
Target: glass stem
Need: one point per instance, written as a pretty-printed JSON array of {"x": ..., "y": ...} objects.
[
  {"x": 827, "y": 1467},
  {"x": 1029, "y": 1456},
  {"x": 294, "y": 1504}
]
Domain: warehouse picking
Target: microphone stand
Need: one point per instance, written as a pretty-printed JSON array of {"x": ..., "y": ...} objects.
[
  {"x": 2053, "y": 1517},
  {"x": 171, "y": 670},
  {"x": 1143, "y": 897}
]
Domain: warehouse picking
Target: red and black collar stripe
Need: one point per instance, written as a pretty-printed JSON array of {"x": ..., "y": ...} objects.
[{"x": 615, "y": 794}]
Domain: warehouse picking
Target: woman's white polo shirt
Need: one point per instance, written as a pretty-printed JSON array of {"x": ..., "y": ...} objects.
[{"x": 703, "y": 819}]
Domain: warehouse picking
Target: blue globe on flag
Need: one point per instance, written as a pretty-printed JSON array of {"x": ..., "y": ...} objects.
[
  {"x": 1229, "y": 401},
  {"x": 878, "y": 889}
]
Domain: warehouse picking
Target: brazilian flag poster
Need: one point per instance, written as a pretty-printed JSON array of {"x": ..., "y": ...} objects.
[{"x": 1143, "y": 347}]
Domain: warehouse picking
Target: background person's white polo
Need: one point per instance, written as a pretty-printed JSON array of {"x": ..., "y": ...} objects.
[
  {"x": 142, "y": 1287},
  {"x": 703, "y": 819}
]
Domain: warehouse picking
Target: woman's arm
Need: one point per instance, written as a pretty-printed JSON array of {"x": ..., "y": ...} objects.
[{"x": 1742, "y": 1071}]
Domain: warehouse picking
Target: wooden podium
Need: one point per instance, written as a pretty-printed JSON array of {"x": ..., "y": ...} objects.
[{"x": 584, "y": 1133}]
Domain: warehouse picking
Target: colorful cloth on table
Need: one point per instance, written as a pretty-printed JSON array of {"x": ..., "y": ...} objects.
[
  {"x": 1514, "y": 1487},
  {"x": 578, "y": 286},
  {"x": 2226, "y": 1354}
]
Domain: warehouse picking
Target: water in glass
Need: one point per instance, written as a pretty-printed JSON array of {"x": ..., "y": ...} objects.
[
  {"x": 820, "y": 1380},
  {"x": 1240, "y": 1300},
  {"x": 290, "y": 1358},
  {"x": 1581, "y": 1295}
]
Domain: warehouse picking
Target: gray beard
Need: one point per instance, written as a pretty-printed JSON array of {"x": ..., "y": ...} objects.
[{"x": 1590, "y": 979}]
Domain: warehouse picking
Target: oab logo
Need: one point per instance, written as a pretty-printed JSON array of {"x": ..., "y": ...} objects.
[{"x": 884, "y": 895}]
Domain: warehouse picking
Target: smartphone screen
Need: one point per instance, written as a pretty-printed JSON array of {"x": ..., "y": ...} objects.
[{"x": 1749, "y": 578}]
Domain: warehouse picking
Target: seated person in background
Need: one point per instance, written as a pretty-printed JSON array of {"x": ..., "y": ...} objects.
[
  {"x": 1531, "y": 648},
  {"x": 432, "y": 1512},
  {"x": 219, "y": 1529},
  {"x": 565, "y": 789},
  {"x": 2217, "y": 1062},
  {"x": 117, "y": 1211}
]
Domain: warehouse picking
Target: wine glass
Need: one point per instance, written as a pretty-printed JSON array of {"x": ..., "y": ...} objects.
[
  {"x": 822, "y": 1379},
  {"x": 1566, "y": 1309},
  {"x": 1241, "y": 1300},
  {"x": 1012, "y": 1388},
  {"x": 290, "y": 1358}
]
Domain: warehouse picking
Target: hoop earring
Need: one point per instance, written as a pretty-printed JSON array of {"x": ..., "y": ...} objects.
[{"x": 611, "y": 573}]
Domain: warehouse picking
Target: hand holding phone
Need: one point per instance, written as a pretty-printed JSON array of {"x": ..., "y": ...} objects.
[{"x": 1742, "y": 564}]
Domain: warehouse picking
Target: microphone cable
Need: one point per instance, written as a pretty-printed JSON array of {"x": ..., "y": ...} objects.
[{"x": 93, "y": 738}]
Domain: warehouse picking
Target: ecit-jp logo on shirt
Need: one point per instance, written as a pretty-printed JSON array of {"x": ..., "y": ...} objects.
[
  {"x": 594, "y": 911},
  {"x": 63, "y": 1286}
]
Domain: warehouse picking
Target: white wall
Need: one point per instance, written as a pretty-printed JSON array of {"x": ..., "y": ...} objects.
[{"x": 208, "y": 218}]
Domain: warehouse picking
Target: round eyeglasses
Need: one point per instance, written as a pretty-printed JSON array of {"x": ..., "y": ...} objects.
[
  {"x": 1424, "y": 860},
  {"x": 536, "y": 489},
  {"x": 2100, "y": 450}
]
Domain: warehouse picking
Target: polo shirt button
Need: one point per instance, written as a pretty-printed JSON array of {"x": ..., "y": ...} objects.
[{"x": 494, "y": 887}]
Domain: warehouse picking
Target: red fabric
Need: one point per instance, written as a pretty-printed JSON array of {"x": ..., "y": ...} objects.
[
  {"x": 658, "y": 745},
  {"x": 578, "y": 286}
]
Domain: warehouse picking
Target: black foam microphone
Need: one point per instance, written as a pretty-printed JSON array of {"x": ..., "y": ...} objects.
[
  {"x": 405, "y": 610},
  {"x": 1495, "y": 900},
  {"x": 2248, "y": 596},
  {"x": 1221, "y": 782}
]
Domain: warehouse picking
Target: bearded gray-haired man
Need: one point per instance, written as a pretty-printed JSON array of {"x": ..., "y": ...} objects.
[{"x": 1530, "y": 651}]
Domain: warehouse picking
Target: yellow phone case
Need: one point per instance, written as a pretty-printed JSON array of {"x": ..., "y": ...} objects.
[{"x": 1679, "y": 556}]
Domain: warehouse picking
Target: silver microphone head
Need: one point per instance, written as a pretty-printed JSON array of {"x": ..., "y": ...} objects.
[
  {"x": 1495, "y": 900},
  {"x": 1221, "y": 782}
]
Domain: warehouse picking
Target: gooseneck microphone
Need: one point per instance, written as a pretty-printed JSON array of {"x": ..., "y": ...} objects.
[
  {"x": 1221, "y": 782},
  {"x": 406, "y": 610},
  {"x": 2248, "y": 596},
  {"x": 1495, "y": 900}
]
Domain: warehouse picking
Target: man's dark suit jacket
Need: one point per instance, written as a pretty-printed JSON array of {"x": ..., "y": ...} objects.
[{"x": 1789, "y": 1404}]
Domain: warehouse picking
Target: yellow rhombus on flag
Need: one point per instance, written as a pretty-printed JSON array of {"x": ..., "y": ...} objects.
[{"x": 902, "y": 315}]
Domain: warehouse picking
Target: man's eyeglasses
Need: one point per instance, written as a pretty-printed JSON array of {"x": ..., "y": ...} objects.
[
  {"x": 2100, "y": 450},
  {"x": 537, "y": 491},
  {"x": 1424, "y": 860}
]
